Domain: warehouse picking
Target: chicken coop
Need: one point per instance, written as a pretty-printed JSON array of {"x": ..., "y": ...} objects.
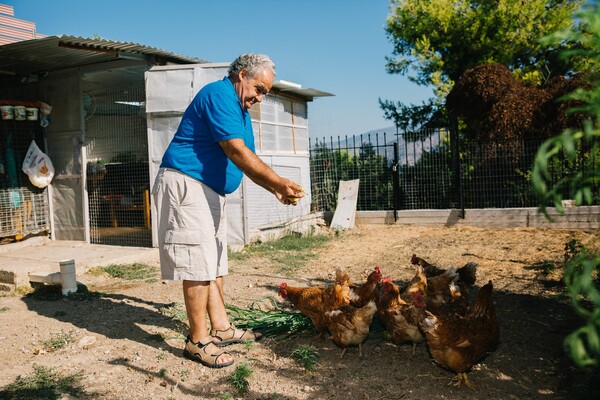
[
  {"x": 95, "y": 137},
  {"x": 115, "y": 107},
  {"x": 280, "y": 124}
]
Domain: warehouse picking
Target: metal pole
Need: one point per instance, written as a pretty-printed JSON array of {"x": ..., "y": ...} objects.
[
  {"x": 396, "y": 181},
  {"x": 454, "y": 142}
]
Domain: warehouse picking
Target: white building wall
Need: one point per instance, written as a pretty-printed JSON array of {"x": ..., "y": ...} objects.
[{"x": 281, "y": 133}]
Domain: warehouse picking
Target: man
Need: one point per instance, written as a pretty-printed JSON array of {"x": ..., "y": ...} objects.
[{"x": 212, "y": 148}]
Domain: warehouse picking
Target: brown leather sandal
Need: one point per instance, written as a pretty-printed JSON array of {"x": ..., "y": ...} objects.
[
  {"x": 198, "y": 352},
  {"x": 233, "y": 335}
]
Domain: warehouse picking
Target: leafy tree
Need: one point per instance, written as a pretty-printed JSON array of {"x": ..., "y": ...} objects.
[
  {"x": 437, "y": 40},
  {"x": 584, "y": 343}
]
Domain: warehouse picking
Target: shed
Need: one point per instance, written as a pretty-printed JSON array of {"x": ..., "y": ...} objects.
[
  {"x": 104, "y": 146},
  {"x": 280, "y": 124}
]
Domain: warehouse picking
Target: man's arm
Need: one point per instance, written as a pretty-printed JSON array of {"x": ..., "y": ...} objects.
[{"x": 260, "y": 173}]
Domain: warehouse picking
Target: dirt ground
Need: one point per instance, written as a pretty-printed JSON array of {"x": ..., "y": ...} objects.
[{"x": 119, "y": 350}]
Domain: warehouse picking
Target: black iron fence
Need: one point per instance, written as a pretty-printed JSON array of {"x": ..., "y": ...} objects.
[{"x": 431, "y": 169}]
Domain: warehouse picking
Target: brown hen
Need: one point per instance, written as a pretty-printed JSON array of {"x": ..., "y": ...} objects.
[
  {"x": 309, "y": 301},
  {"x": 368, "y": 291},
  {"x": 401, "y": 318},
  {"x": 457, "y": 342},
  {"x": 448, "y": 286},
  {"x": 349, "y": 326}
]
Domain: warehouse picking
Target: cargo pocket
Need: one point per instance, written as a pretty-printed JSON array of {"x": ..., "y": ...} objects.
[{"x": 187, "y": 250}]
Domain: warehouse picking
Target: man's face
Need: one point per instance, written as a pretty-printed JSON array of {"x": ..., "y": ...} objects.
[{"x": 252, "y": 90}]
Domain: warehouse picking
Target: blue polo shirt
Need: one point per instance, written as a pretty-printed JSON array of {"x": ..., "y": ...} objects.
[{"x": 215, "y": 114}]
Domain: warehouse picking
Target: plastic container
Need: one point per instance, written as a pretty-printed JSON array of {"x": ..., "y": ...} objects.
[
  {"x": 7, "y": 111},
  {"x": 68, "y": 276},
  {"x": 31, "y": 113},
  {"x": 20, "y": 113}
]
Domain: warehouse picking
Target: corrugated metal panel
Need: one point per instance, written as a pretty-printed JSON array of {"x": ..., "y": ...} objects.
[
  {"x": 309, "y": 94},
  {"x": 16, "y": 33},
  {"x": 17, "y": 23},
  {"x": 7, "y": 10},
  {"x": 61, "y": 52}
]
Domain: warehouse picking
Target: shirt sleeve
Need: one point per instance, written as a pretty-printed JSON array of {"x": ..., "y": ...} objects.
[{"x": 224, "y": 117}]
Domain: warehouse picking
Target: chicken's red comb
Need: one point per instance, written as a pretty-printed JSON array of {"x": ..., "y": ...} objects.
[
  {"x": 377, "y": 269},
  {"x": 387, "y": 279},
  {"x": 283, "y": 286}
]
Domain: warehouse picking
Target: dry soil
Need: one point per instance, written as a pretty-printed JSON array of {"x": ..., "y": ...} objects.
[{"x": 124, "y": 346}]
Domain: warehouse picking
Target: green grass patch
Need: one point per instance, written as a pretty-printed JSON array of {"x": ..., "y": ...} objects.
[
  {"x": 58, "y": 341},
  {"x": 307, "y": 356},
  {"x": 135, "y": 271},
  {"x": 45, "y": 384},
  {"x": 288, "y": 253},
  {"x": 239, "y": 378},
  {"x": 175, "y": 311},
  {"x": 272, "y": 322}
]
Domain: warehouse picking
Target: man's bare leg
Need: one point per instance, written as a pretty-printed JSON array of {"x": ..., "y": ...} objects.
[
  {"x": 197, "y": 296},
  {"x": 216, "y": 306}
]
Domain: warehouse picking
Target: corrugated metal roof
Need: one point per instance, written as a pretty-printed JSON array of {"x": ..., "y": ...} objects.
[{"x": 60, "y": 52}]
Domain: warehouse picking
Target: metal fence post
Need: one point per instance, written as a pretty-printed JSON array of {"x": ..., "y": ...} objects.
[
  {"x": 455, "y": 145},
  {"x": 396, "y": 180}
]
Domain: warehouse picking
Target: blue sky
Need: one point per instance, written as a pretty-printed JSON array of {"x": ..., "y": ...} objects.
[{"x": 335, "y": 46}]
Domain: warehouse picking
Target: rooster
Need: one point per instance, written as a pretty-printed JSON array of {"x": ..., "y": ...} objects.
[
  {"x": 457, "y": 342},
  {"x": 400, "y": 317},
  {"x": 349, "y": 326}
]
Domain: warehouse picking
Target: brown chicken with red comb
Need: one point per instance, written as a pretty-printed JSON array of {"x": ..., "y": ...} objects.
[
  {"x": 368, "y": 291},
  {"x": 457, "y": 342},
  {"x": 401, "y": 317}
]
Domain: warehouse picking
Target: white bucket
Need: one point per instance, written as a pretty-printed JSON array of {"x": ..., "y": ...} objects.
[
  {"x": 7, "y": 112},
  {"x": 20, "y": 113},
  {"x": 32, "y": 113}
]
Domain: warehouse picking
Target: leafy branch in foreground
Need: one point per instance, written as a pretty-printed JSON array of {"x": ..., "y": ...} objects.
[
  {"x": 584, "y": 343},
  {"x": 581, "y": 268}
]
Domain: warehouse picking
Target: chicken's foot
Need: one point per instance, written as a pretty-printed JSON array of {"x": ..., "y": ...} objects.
[{"x": 461, "y": 378}]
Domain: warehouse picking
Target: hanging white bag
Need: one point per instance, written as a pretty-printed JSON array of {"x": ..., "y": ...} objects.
[{"x": 37, "y": 166}]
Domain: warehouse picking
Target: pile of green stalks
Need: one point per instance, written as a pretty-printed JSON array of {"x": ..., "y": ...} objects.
[{"x": 273, "y": 322}]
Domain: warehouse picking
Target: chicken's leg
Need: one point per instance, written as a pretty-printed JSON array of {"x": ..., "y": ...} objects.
[{"x": 461, "y": 378}]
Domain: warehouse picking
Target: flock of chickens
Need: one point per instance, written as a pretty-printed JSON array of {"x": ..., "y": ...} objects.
[{"x": 433, "y": 307}]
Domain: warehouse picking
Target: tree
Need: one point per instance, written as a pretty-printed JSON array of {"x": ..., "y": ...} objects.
[
  {"x": 437, "y": 40},
  {"x": 582, "y": 269}
]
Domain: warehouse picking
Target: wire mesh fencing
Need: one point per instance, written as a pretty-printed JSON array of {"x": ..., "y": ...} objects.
[
  {"x": 432, "y": 169},
  {"x": 117, "y": 168}
]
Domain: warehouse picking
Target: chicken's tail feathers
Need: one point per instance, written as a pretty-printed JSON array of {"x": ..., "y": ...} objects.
[{"x": 468, "y": 273}]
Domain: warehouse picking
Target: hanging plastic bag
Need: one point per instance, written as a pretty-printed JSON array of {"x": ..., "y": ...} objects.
[{"x": 37, "y": 166}]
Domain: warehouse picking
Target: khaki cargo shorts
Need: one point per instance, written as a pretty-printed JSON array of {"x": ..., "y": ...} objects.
[{"x": 192, "y": 228}]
